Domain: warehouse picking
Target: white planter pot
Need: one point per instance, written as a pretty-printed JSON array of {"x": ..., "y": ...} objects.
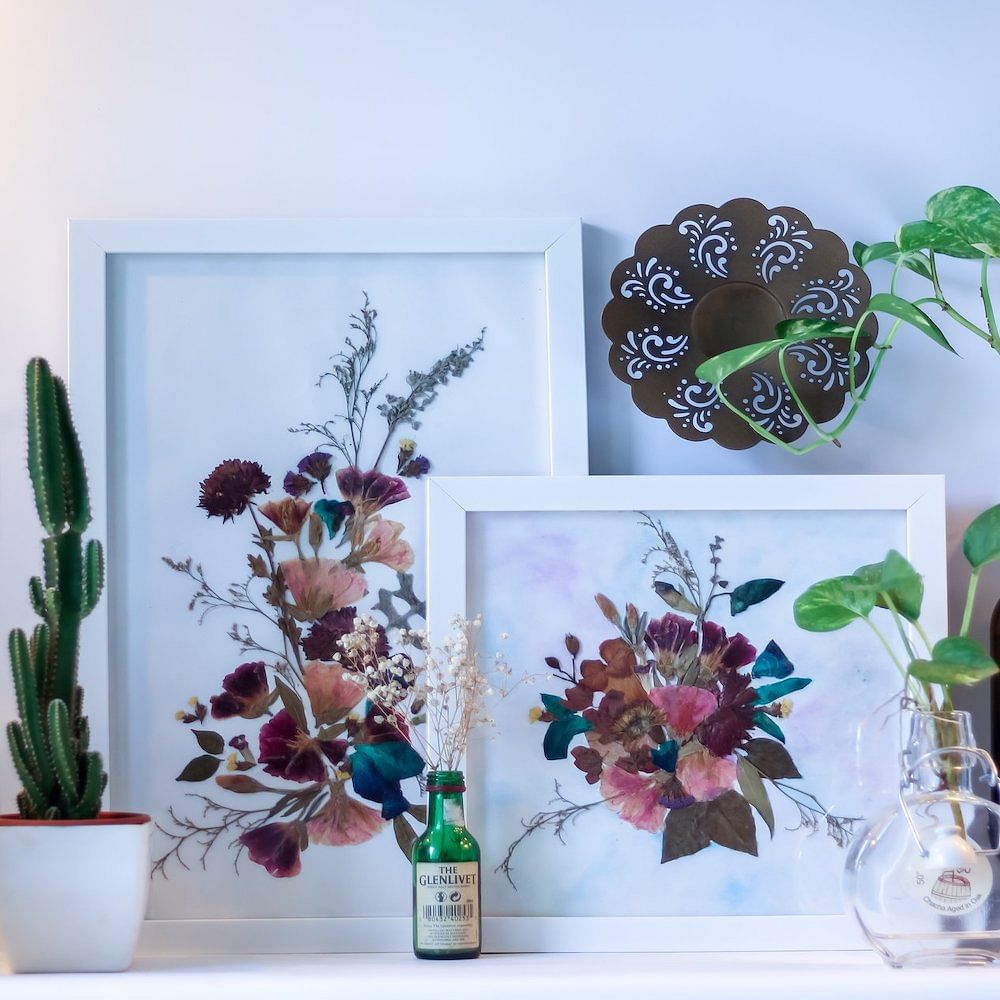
[{"x": 73, "y": 892}]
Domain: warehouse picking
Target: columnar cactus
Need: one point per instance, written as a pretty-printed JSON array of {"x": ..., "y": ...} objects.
[{"x": 61, "y": 777}]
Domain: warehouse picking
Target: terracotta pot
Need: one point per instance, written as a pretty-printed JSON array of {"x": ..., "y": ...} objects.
[{"x": 73, "y": 892}]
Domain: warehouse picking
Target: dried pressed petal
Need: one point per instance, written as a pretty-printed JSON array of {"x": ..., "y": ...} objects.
[{"x": 229, "y": 487}]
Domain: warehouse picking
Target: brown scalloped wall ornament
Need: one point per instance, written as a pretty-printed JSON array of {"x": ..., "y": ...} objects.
[{"x": 720, "y": 278}]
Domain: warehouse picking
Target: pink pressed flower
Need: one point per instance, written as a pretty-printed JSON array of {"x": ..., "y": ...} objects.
[
  {"x": 685, "y": 707},
  {"x": 635, "y": 797},
  {"x": 332, "y": 694},
  {"x": 383, "y": 545},
  {"x": 344, "y": 820},
  {"x": 705, "y": 776},
  {"x": 321, "y": 585}
]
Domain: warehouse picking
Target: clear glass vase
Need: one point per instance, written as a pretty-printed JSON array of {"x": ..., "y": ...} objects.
[{"x": 923, "y": 879}]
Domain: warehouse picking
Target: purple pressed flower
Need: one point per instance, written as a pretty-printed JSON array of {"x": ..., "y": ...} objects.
[
  {"x": 276, "y": 846},
  {"x": 321, "y": 642},
  {"x": 721, "y": 653},
  {"x": 670, "y": 633},
  {"x": 229, "y": 487},
  {"x": 416, "y": 467},
  {"x": 297, "y": 485},
  {"x": 239, "y": 743},
  {"x": 318, "y": 465},
  {"x": 244, "y": 693},
  {"x": 288, "y": 752},
  {"x": 370, "y": 491}
]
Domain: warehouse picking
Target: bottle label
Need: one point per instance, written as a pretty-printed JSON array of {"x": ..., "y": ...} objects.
[
  {"x": 454, "y": 812},
  {"x": 447, "y": 902},
  {"x": 951, "y": 891}
]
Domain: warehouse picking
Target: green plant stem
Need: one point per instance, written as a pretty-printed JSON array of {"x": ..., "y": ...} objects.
[
  {"x": 888, "y": 648},
  {"x": 970, "y": 600},
  {"x": 950, "y": 310},
  {"x": 923, "y": 635},
  {"x": 984, "y": 289},
  {"x": 803, "y": 409}
]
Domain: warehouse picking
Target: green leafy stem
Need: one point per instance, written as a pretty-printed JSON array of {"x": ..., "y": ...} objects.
[{"x": 962, "y": 222}]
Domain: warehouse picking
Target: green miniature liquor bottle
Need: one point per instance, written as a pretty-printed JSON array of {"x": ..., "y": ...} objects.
[{"x": 446, "y": 891}]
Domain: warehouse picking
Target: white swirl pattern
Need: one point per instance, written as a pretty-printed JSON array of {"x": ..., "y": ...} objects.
[
  {"x": 693, "y": 403},
  {"x": 711, "y": 241},
  {"x": 784, "y": 246},
  {"x": 656, "y": 284},
  {"x": 824, "y": 365},
  {"x": 651, "y": 349},
  {"x": 837, "y": 298},
  {"x": 770, "y": 404}
]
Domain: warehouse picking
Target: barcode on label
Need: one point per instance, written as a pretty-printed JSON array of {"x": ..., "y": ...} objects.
[{"x": 448, "y": 911}]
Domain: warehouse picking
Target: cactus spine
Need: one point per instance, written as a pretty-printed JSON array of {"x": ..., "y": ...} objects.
[{"x": 60, "y": 776}]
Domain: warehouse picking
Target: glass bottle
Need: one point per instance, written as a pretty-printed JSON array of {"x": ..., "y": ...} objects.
[
  {"x": 923, "y": 879},
  {"x": 447, "y": 921}
]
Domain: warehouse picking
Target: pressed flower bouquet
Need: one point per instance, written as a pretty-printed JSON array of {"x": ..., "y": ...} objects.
[
  {"x": 678, "y": 723},
  {"x": 296, "y": 746}
]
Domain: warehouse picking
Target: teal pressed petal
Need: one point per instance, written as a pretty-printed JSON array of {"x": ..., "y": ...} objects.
[
  {"x": 554, "y": 706},
  {"x": 746, "y": 595},
  {"x": 378, "y": 768},
  {"x": 665, "y": 755},
  {"x": 768, "y": 725},
  {"x": 772, "y": 663},
  {"x": 333, "y": 513},
  {"x": 560, "y": 733},
  {"x": 772, "y": 692}
]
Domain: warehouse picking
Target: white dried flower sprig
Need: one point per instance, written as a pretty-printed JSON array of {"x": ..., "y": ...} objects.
[{"x": 434, "y": 697}]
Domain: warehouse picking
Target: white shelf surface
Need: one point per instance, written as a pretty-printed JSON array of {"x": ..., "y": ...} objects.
[{"x": 757, "y": 976}]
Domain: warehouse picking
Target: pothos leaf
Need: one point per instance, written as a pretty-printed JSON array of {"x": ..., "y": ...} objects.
[
  {"x": 972, "y": 213},
  {"x": 889, "y": 251},
  {"x": 753, "y": 788},
  {"x": 831, "y": 604},
  {"x": 925, "y": 235},
  {"x": 909, "y": 313},
  {"x": 746, "y": 595},
  {"x": 981, "y": 542},
  {"x": 199, "y": 769},
  {"x": 209, "y": 742},
  {"x": 894, "y": 578},
  {"x": 955, "y": 660}
]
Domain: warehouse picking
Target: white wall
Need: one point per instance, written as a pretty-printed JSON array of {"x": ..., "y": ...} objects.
[{"x": 620, "y": 113}]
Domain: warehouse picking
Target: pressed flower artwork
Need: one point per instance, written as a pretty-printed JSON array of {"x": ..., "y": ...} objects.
[
  {"x": 690, "y": 749},
  {"x": 317, "y": 761}
]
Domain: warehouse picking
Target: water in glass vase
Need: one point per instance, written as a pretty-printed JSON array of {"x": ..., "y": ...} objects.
[
  {"x": 923, "y": 879},
  {"x": 446, "y": 891}
]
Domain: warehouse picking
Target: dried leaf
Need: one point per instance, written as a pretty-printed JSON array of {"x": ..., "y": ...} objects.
[
  {"x": 293, "y": 704},
  {"x": 684, "y": 832},
  {"x": 241, "y": 783},
  {"x": 209, "y": 742},
  {"x": 199, "y": 769},
  {"x": 771, "y": 759},
  {"x": 756, "y": 794},
  {"x": 729, "y": 822}
]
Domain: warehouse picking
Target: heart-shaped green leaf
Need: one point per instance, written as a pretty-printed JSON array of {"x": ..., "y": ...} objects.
[
  {"x": 931, "y": 236},
  {"x": 795, "y": 330},
  {"x": 971, "y": 212},
  {"x": 955, "y": 660},
  {"x": 895, "y": 306},
  {"x": 981, "y": 542},
  {"x": 896, "y": 579},
  {"x": 831, "y": 604},
  {"x": 890, "y": 252},
  {"x": 716, "y": 369}
]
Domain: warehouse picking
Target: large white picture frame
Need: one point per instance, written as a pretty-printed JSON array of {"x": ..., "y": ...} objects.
[
  {"x": 505, "y": 548},
  {"x": 122, "y": 271}
]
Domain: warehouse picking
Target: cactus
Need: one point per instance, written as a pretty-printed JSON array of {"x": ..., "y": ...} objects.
[{"x": 61, "y": 777}]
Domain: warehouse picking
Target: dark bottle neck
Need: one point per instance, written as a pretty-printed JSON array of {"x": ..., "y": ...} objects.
[{"x": 445, "y": 799}]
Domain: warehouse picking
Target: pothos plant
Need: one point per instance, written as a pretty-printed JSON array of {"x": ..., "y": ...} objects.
[
  {"x": 930, "y": 670},
  {"x": 961, "y": 222}
]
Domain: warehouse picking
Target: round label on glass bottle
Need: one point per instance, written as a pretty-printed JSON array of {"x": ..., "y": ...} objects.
[{"x": 950, "y": 891}]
